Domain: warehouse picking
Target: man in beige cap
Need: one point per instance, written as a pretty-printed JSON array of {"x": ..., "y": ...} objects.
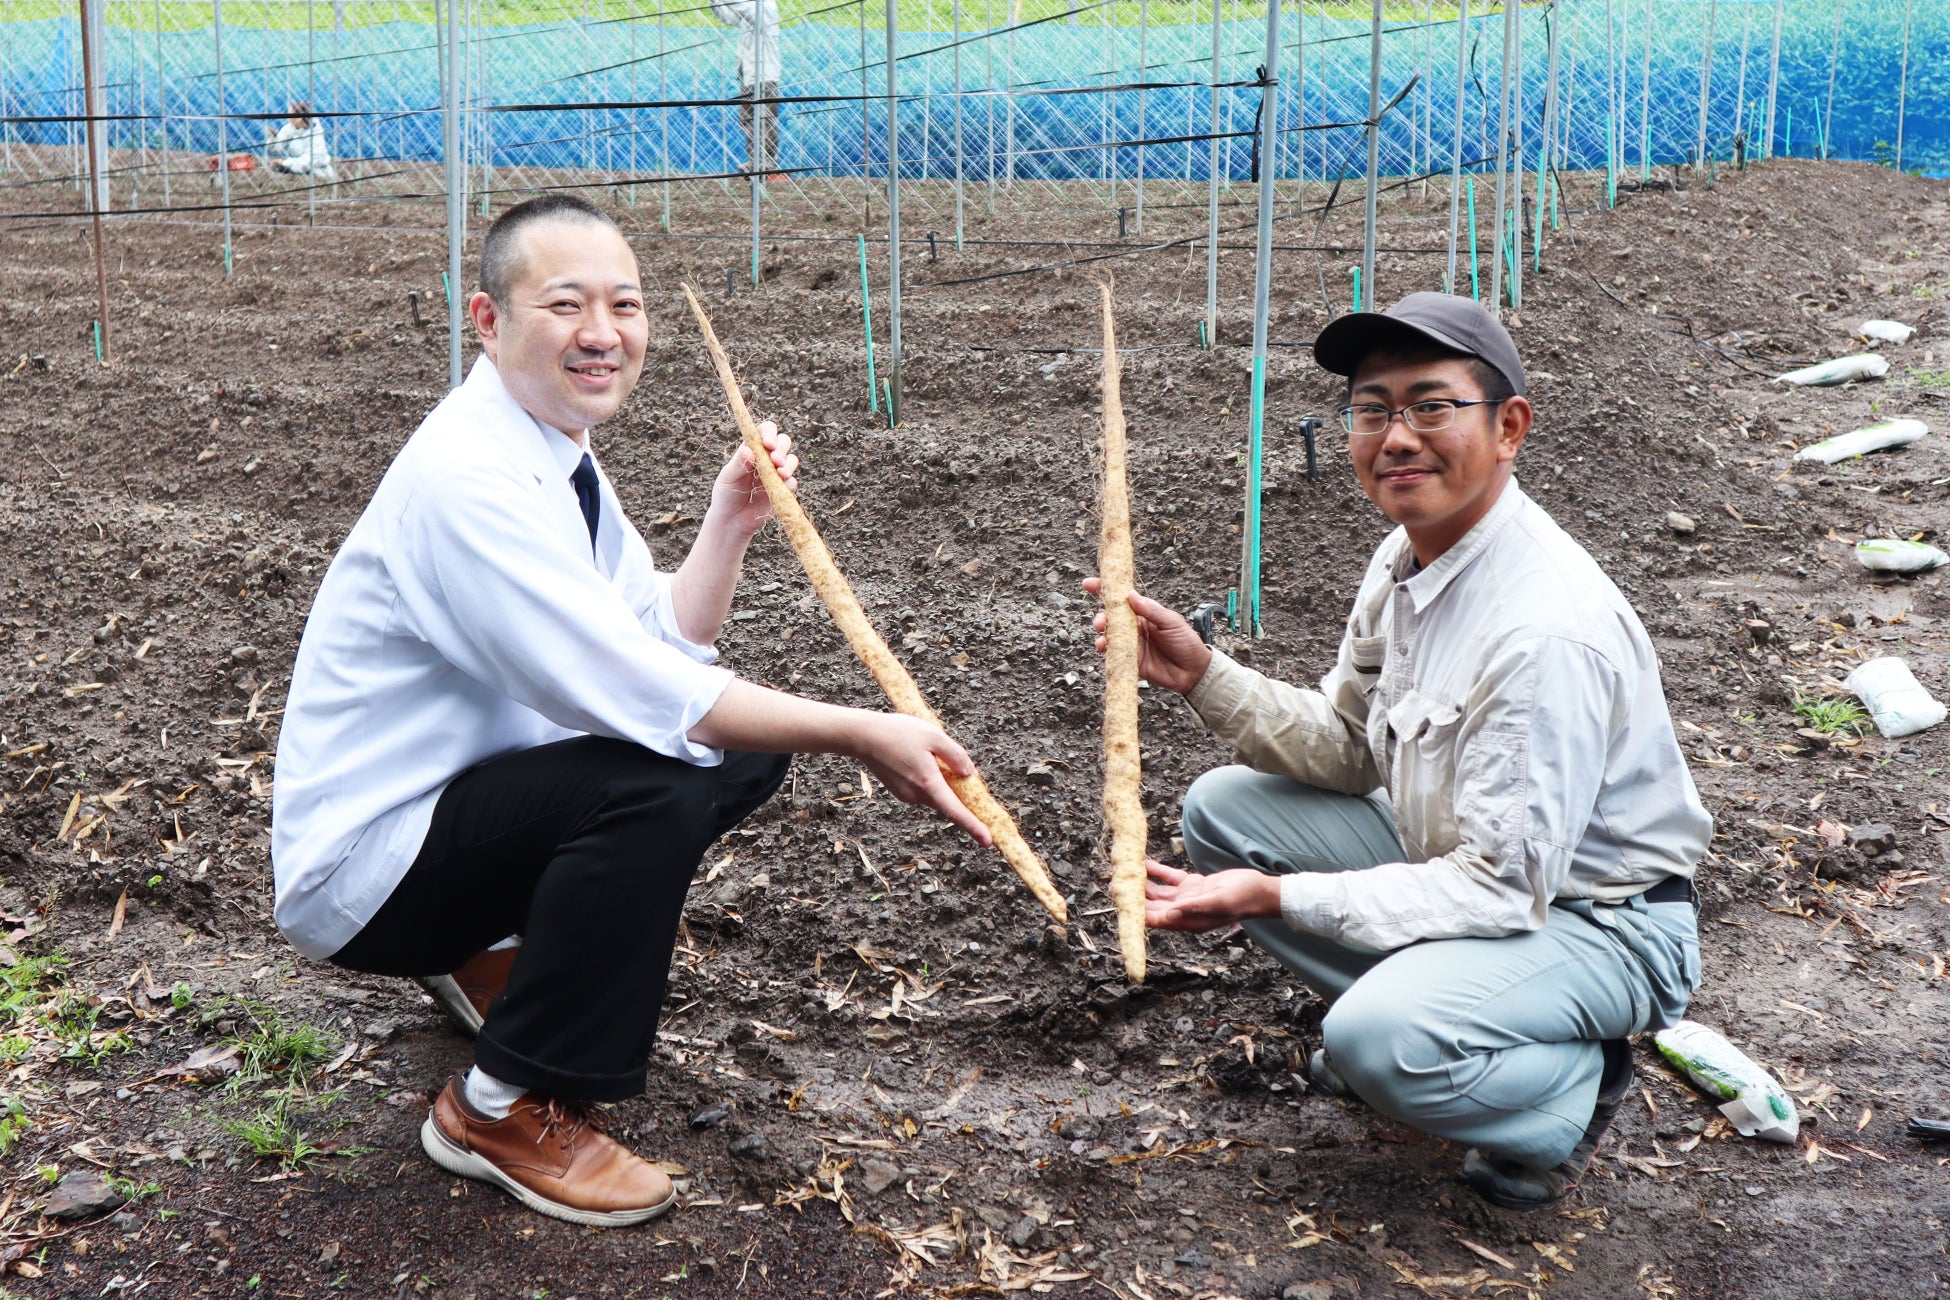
[{"x": 1476, "y": 839}]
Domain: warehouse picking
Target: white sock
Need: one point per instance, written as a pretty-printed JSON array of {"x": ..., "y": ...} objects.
[
  {"x": 512, "y": 941},
  {"x": 489, "y": 1095}
]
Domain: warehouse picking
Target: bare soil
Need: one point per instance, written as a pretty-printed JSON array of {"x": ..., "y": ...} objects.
[{"x": 954, "y": 1097}]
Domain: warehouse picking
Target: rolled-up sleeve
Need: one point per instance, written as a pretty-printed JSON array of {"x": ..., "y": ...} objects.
[
  {"x": 506, "y": 604},
  {"x": 1528, "y": 761}
]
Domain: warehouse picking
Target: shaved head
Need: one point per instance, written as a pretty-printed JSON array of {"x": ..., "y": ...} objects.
[{"x": 501, "y": 249}]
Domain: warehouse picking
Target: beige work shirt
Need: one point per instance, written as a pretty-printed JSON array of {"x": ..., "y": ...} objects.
[{"x": 1508, "y": 700}]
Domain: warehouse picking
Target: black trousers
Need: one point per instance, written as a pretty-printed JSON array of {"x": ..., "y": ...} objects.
[{"x": 585, "y": 848}]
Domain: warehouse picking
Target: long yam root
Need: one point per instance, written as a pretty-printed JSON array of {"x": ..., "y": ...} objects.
[
  {"x": 1117, "y": 571},
  {"x": 834, "y": 590}
]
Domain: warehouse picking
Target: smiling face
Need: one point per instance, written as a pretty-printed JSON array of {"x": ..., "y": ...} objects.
[
  {"x": 1436, "y": 485},
  {"x": 569, "y": 340}
]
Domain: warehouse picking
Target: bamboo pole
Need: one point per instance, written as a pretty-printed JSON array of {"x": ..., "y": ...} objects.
[
  {"x": 844, "y": 607},
  {"x": 1117, "y": 572}
]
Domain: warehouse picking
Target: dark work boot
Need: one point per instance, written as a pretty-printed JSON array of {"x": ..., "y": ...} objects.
[{"x": 1517, "y": 1186}]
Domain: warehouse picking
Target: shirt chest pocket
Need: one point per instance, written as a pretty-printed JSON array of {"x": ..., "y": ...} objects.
[{"x": 1416, "y": 749}]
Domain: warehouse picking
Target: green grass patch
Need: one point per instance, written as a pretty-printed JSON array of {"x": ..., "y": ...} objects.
[
  {"x": 1929, "y": 378},
  {"x": 273, "y": 1133},
  {"x": 1832, "y": 716},
  {"x": 270, "y": 1049}
]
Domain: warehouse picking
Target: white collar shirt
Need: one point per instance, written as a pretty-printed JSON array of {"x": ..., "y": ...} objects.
[
  {"x": 466, "y": 616},
  {"x": 1508, "y": 700}
]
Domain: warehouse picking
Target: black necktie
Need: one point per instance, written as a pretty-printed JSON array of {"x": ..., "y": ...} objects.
[{"x": 587, "y": 493}]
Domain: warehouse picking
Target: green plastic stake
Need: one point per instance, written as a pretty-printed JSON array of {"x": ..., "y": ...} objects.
[
  {"x": 1537, "y": 234},
  {"x": 98, "y": 343},
  {"x": 1357, "y": 290},
  {"x": 447, "y": 287},
  {"x": 1475, "y": 280},
  {"x": 1232, "y": 607},
  {"x": 226, "y": 259},
  {"x": 887, "y": 390},
  {"x": 866, "y": 323},
  {"x": 1253, "y": 474}
]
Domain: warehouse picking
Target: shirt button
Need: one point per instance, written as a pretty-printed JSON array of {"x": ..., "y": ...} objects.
[{"x": 1495, "y": 825}]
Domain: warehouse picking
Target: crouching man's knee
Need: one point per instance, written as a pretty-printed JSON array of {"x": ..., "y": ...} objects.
[
  {"x": 1387, "y": 1056},
  {"x": 1206, "y": 823}
]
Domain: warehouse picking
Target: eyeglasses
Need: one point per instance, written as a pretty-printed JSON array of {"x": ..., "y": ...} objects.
[{"x": 1423, "y": 417}]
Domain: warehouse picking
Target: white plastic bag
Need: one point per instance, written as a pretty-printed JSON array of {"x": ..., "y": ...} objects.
[
  {"x": 1890, "y": 555},
  {"x": 1897, "y": 701},
  {"x": 1889, "y": 331},
  {"x": 1860, "y": 442}
]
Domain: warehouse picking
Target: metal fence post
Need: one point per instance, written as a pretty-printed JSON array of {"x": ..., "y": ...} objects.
[
  {"x": 1902, "y": 87},
  {"x": 958, "y": 144},
  {"x": 1456, "y": 159},
  {"x": 92, "y": 28},
  {"x": 223, "y": 136},
  {"x": 1502, "y": 158},
  {"x": 1262, "y": 283},
  {"x": 893, "y": 220},
  {"x": 456, "y": 199},
  {"x": 1372, "y": 200},
  {"x": 1834, "y": 62},
  {"x": 1773, "y": 80},
  {"x": 1705, "y": 84},
  {"x": 1143, "y": 75},
  {"x": 1212, "y": 200}
]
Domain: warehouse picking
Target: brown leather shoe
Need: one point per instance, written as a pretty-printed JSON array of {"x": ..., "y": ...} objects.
[
  {"x": 466, "y": 994},
  {"x": 548, "y": 1154}
]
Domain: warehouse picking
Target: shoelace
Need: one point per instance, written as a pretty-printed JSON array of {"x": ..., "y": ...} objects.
[{"x": 568, "y": 1120}]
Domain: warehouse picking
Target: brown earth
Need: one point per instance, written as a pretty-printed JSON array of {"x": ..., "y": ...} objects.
[{"x": 1017, "y": 1115}]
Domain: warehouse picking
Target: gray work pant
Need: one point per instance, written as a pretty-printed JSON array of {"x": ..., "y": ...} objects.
[
  {"x": 1489, "y": 1042},
  {"x": 760, "y": 123}
]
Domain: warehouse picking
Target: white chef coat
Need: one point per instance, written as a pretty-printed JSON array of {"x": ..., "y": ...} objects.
[
  {"x": 464, "y": 617},
  {"x": 1508, "y": 699}
]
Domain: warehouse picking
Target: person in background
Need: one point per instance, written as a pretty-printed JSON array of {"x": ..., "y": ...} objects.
[
  {"x": 757, "y": 22},
  {"x": 298, "y": 148}
]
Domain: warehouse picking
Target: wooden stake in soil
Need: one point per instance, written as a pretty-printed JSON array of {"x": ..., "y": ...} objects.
[
  {"x": 844, "y": 607},
  {"x": 1117, "y": 571}
]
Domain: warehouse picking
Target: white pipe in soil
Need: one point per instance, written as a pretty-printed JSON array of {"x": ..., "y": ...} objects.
[
  {"x": 1212, "y": 199},
  {"x": 893, "y": 220},
  {"x": 1502, "y": 158},
  {"x": 1902, "y": 87},
  {"x": 456, "y": 195},
  {"x": 223, "y": 136},
  {"x": 1368, "y": 210},
  {"x": 1262, "y": 288},
  {"x": 1773, "y": 82},
  {"x": 1456, "y": 153},
  {"x": 1705, "y": 84}
]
